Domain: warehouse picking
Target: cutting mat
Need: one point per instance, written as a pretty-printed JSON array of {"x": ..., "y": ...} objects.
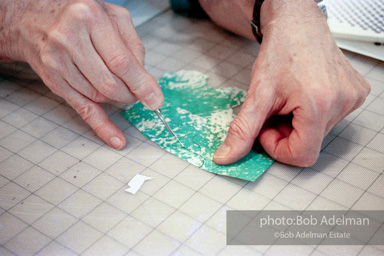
[{"x": 62, "y": 189}]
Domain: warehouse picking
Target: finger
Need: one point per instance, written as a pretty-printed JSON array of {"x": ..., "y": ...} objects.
[
  {"x": 92, "y": 67},
  {"x": 76, "y": 79},
  {"x": 79, "y": 83},
  {"x": 90, "y": 111},
  {"x": 102, "y": 79},
  {"x": 297, "y": 143},
  {"x": 246, "y": 126},
  {"x": 121, "y": 62},
  {"x": 81, "y": 18},
  {"x": 94, "y": 115},
  {"x": 124, "y": 23}
]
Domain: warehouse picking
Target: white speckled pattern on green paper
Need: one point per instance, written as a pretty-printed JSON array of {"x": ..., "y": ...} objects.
[{"x": 200, "y": 116}]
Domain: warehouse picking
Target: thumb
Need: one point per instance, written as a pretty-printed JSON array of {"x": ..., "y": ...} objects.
[{"x": 246, "y": 126}]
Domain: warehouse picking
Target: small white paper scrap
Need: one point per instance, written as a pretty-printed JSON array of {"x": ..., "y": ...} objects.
[{"x": 136, "y": 183}]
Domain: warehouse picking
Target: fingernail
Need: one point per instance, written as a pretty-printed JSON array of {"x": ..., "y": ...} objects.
[
  {"x": 152, "y": 101},
  {"x": 116, "y": 142},
  {"x": 223, "y": 151}
]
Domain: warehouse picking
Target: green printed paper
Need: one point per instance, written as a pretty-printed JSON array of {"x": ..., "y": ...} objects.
[{"x": 200, "y": 116}]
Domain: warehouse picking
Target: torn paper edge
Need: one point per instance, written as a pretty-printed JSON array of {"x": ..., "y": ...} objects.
[{"x": 136, "y": 183}]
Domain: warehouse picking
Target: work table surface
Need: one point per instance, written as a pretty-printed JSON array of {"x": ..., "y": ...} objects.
[{"x": 62, "y": 189}]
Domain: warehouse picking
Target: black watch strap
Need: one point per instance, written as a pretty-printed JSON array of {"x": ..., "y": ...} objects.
[{"x": 255, "y": 22}]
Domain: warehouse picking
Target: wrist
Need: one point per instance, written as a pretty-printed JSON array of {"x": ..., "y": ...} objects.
[{"x": 289, "y": 15}]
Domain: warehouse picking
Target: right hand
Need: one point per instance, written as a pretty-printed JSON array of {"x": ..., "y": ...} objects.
[
  {"x": 302, "y": 85},
  {"x": 86, "y": 51}
]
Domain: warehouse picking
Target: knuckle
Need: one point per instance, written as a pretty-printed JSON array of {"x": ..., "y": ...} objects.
[
  {"x": 100, "y": 127},
  {"x": 109, "y": 89},
  {"x": 359, "y": 101},
  {"x": 323, "y": 99},
  {"x": 50, "y": 61},
  {"x": 307, "y": 161},
  {"x": 140, "y": 53},
  {"x": 58, "y": 37},
  {"x": 87, "y": 112},
  {"x": 366, "y": 87},
  {"x": 122, "y": 12},
  {"x": 83, "y": 10},
  {"x": 139, "y": 48},
  {"x": 137, "y": 88},
  {"x": 304, "y": 158},
  {"x": 98, "y": 97},
  {"x": 55, "y": 89},
  {"x": 361, "y": 92},
  {"x": 125, "y": 14},
  {"x": 239, "y": 129},
  {"x": 53, "y": 86},
  {"x": 351, "y": 97},
  {"x": 120, "y": 64}
]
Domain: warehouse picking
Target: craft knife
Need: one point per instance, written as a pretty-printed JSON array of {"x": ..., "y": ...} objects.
[{"x": 160, "y": 116}]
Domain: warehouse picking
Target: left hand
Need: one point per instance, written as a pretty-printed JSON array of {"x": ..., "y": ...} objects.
[
  {"x": 86, "y": 51},
  {"x": 302, "y": 85}
]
